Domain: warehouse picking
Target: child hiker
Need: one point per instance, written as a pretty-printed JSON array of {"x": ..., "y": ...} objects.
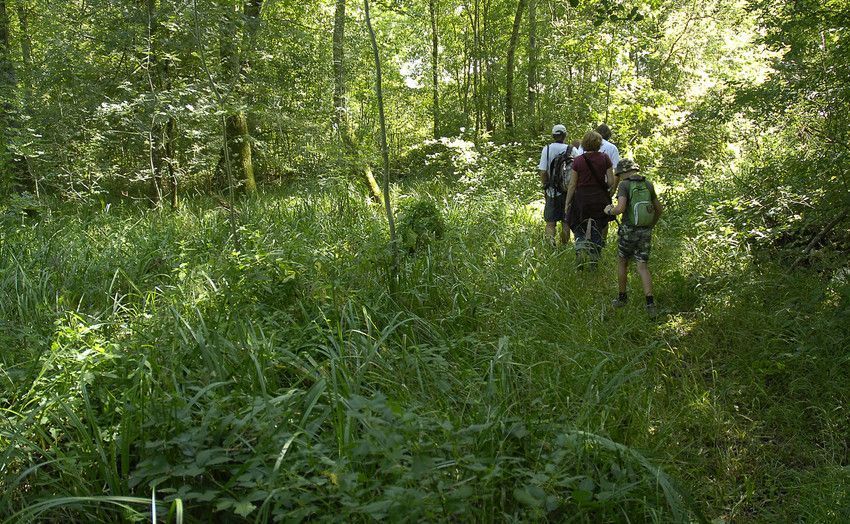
[{"x": 637, "y": 201}]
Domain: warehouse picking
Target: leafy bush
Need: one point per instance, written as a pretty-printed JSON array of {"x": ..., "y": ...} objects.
[
  {"x": 445, "y": 158},
  {"x": 420, "y": 223}
]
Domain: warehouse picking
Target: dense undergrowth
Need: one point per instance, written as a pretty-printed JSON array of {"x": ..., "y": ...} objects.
[{"x": 298, "y": 379}]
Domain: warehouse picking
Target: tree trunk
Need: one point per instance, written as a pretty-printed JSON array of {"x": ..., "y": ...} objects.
[
  {"x": 532, "y": 64},
  {"x": 235, "y": 61},
  {"x": 384, "y": 149},
  {"x": 171, "y": 162},
  {"x": 609, "y": 80},
  {"x": 26, "y": 51},
  {"x": 511, "y": 65},
  {"x": 239, "y": 144},
  {"x": 162, "y": 132},
  {"x": 155, "y": 133},
  {"x": 435, "y": 76},
  {"x": 340, "y": 115},
  {"x": 475, "y": 59},
  {"x": 487, "y": 38},
  {"x": 467, "y": 82},
  {"x": 12, "y": 166}
]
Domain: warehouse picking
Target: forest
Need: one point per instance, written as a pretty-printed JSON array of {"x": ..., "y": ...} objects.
[{"x": 279, "y": 261}]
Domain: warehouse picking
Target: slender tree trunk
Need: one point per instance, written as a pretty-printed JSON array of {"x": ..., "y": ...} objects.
[
  {"x": 609, "y": 80},
  {"x": 12, "y": 166},
  {"x": 467, "y": 76},
  {"x": 235, "y": 60},
  {"x": 239, "y": 140},
  {"x": 532, "y": 64},
  {"x": 171, "y": 163},
  {"x": 155, "y": 133},
  {"x": 26, "y": 51},
  {"x": 487, "y": 38},
  {"x": 511, "y": 66},
  {"x": 435, "y": 75},
  {"x": 340, "y": 115},
  {"x": 26, "y": 74},
  {"x": 384, "y": 149},
  {"x": 474, "y": 20}
]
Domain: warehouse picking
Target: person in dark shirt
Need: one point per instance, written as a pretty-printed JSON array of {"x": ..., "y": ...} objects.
[{"x": 590, "y": 189}]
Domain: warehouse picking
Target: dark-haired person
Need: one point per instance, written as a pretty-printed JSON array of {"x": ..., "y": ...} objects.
[
  {"x": 588, "y": 194},
  {"x": 553, "y": 212},
  {"x": 607, "y": 147}
]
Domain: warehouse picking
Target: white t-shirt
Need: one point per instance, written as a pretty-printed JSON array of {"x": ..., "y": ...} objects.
[
  {"x": 609, "y": 149},
  {"x": 555, "y": 149}
]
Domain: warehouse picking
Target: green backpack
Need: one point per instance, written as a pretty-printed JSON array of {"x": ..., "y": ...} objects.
[{"x": 640, "y": 211}]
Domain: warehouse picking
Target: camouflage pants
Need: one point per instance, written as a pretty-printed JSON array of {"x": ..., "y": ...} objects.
[{"x": 634, "y": 242}]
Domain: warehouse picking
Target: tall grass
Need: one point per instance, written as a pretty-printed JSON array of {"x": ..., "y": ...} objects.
[{"x": 287, "y": 381}]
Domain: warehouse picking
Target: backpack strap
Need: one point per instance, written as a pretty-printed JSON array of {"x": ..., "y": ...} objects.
[{"x": 595, "y": 175}]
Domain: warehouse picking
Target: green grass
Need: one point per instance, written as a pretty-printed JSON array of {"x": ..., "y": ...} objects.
[{"x": 297, "y": 380}]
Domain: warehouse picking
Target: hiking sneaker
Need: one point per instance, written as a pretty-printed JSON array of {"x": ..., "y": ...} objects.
[
  {"x": 651, "y": 310},
  {"x": 618, "y": 302}
]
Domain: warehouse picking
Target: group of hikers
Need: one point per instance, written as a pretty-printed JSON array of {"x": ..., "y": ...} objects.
[{"x": 578, "y": 182}]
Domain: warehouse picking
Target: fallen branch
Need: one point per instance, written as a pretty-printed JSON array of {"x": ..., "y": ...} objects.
[{"x": 823, "y": 232}]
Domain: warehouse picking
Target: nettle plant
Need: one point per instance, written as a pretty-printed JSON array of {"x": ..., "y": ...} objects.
[{"x": 420, "y": 223}]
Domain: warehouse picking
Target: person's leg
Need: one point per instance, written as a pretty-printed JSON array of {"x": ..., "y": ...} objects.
[
  {"x": 622, "y": 274},
  {"x": 645, "y": 277},
  {"x": 565, "y": 233},
  {"x": 550, "y": 232}
]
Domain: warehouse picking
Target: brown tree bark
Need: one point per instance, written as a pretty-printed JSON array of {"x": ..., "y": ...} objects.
[{"x": 511, "y": 66}]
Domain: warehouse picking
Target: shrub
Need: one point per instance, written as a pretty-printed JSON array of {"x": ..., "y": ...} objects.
[
  {"x": 446, "y": 157},
  {"x": 419, "y": 224}
]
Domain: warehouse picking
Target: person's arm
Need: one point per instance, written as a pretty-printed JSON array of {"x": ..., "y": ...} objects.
[
  {"x": 543, "y": 167},
  {"x": 612, "y": 182},
  {"x": 659, "y": 209},
  {"x": 615, "y": 155},
  {"x": 622, "y": 200},
  {"x": 619, "y": 208},
  {"x": 571, "y": 189}
]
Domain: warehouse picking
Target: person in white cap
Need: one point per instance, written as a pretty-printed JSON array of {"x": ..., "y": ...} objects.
[{"x": 556, "y": 199}]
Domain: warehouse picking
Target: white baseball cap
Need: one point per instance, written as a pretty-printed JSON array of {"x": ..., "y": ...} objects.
[{"x": 559, "y": 130}]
